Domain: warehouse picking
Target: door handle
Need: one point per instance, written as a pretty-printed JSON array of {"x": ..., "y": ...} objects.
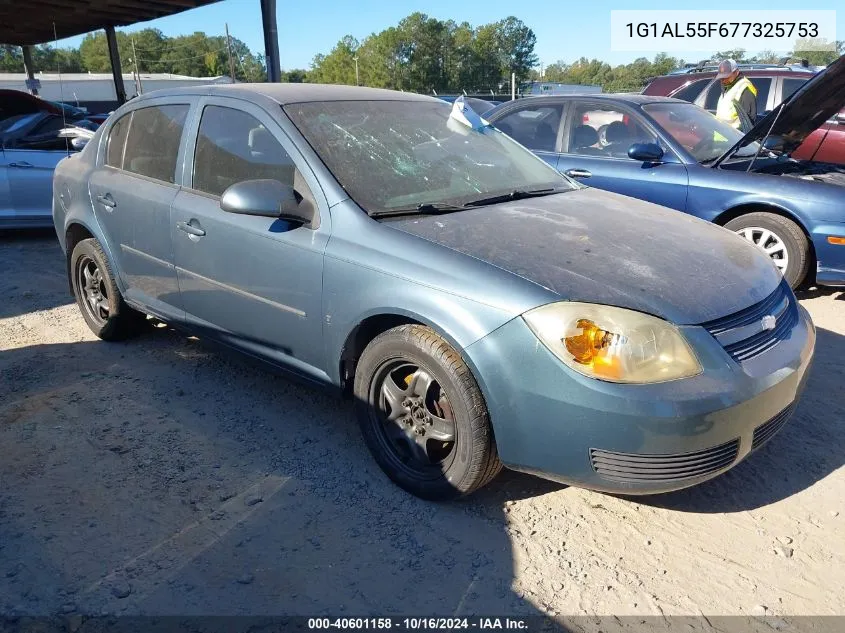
[
  {"x": 190, "y": 229},
  {"x": 107, "y": 201},
  {"x": 578, "y": 173},
  {"x": 22, "y": 165}
]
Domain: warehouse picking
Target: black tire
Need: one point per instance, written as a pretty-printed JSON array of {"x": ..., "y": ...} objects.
[
  {"x": 455, "y": 468},
  {"x": 790, "y": 234},
  {"x": 92, "y": 280}
]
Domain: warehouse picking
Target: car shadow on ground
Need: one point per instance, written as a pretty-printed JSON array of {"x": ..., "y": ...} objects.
[
  {"x": 159, "y": 477},
  {"x": 821, "y": 291},
  {"x": 805, "y": 451},
  {"x": 33, "y": 272}
]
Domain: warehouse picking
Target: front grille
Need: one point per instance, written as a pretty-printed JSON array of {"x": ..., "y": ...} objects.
[
  {"x": 635, "y": 468},
  {"x": 767, "y": 430},
  {"x": 742, "y": 334}
]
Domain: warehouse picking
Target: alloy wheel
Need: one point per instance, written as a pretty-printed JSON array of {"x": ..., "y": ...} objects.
[
  {"x": 92, "y": 289},
  {"x": 416, "y": 422}
]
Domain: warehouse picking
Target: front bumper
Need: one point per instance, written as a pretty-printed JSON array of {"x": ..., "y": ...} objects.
[
  {"x": 636, "y": 439},
  {"x": 830, "y": 258}
]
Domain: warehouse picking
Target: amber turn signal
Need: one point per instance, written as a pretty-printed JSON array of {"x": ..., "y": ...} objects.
[
  {"x": 585, "y": 346},
  {"x": 836, "y": 240}
]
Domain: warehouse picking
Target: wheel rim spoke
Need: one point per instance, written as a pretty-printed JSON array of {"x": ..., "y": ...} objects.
[
  {"x": 441, "y": 429},
  {"x": 417, "y": 444},
  {"x": 420, "y": 383},
  {"x": 394, "y": 396},
  {"x": 88, "y": 277},
  {"x": 768, "y": 242}
]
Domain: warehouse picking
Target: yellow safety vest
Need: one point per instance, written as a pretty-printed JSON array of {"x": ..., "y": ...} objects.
[{"x": 726, "y": 109}]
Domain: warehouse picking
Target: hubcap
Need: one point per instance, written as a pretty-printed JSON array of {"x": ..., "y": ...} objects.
[
  {"x": 416, "y": 416},
  {"x": 770, "y": 243},
  {"x": 93, "y": 289}
]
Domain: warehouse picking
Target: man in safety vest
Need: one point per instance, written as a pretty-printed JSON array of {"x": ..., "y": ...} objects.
[{"x": 738, "y": 94}]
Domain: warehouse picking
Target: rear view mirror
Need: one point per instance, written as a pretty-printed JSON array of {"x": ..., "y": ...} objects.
[
  {"x": 78, "y": 143},
  {"x": 266, "y": 198},
  {"x": 645, "y": 152}
]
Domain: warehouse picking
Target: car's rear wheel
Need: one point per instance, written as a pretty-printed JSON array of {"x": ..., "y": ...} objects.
[
  {"x": 98, "y": 296},
  {"x": 781, "y": 239},
  {"x": 423, "y": 416}
]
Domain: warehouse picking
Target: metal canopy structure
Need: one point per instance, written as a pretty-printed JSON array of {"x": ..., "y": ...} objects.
[{"x": 29, "y": 22}]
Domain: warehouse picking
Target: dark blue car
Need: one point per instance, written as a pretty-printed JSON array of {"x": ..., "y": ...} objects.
[{"x": 676, "y": 154}]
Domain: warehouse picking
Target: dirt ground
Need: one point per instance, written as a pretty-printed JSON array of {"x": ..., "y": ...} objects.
[{"x": 159, "y": 477}]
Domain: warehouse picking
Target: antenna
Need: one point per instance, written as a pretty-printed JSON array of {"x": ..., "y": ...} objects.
[
  {"x": 137, "y": 72},
  {"x": 231, "y": 59},
  {"x": 61, "y": 85}
]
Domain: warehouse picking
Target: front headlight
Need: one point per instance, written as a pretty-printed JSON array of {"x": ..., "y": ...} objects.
[{"x": 613, "y": 344}]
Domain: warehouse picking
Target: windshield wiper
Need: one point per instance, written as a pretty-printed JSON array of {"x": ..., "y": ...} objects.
[
  {"x": 423, "y": 208},
  {"x": 516, "y": 194}
]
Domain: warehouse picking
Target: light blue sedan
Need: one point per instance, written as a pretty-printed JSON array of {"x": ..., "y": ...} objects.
[{"x": 479, "y": 308}]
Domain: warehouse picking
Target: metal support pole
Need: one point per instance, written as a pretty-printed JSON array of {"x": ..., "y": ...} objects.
[
  {"x": 231, "y": 59},
  {"x": 271, "y": 41},
  {"x": 29, "y": 68},
  {"x": 116, "y": 71},
  {"x": 137, "y": 71}
]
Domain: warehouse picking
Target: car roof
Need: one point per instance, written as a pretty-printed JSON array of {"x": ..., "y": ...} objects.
[
  {"x": 681, "y": 78},
  {"x": 285, "y": 93},
  {"x": 629, "y": 98}
]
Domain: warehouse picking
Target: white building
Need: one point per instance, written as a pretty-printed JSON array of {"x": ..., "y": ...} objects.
[{"x": 98, "y": 88}]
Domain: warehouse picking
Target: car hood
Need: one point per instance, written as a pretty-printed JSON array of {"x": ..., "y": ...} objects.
[
  {"x": 809, "y": 107},
  {"x": 591, "y": 245}
]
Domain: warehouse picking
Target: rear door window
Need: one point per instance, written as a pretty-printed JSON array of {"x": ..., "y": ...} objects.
[
  {"x": 152, "y": 145},
  {"x": 691, "y": 91},
  {"x": 117, "y": 141},
  {"x": 790, "y": 86}
]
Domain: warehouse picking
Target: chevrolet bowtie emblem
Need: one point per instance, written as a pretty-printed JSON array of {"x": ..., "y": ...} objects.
[{"x": 769, "y": 322}]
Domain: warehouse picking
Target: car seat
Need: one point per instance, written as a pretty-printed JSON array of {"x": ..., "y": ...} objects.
[
  {"x": 545, "y": 138},
  {"x": 619, "y": 139},
  {"x": 583, "y": 139}
]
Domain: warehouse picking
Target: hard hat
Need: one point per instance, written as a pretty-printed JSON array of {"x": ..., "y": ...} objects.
[{"x": 727, "y": 68}]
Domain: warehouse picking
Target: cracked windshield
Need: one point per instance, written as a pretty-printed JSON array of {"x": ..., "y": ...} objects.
[{"x": 390, "y": 155}]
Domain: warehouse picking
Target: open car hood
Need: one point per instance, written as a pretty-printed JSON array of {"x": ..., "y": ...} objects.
[{"x": 810, "y": 107}]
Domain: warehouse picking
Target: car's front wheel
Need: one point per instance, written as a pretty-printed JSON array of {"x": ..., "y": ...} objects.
[
  {"x": 423, "y": 416},
  {"x": 781, "y": 239},
  {"x": 98, "y": 296}
]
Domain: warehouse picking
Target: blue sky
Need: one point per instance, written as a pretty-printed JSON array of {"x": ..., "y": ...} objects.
[{"x": 565, "y": 30}]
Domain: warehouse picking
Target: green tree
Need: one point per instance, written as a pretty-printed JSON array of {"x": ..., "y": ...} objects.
[
  {"x": 516, "y": 47},
  {"x": 338, "y": 67},
  {"x": 809, "y": 49}
]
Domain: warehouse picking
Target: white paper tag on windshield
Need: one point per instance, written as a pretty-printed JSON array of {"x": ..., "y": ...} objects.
[{"x": 464, "y": 114}]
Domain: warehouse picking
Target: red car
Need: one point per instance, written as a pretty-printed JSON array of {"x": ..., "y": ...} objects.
[{"x": 774, "y": 85}]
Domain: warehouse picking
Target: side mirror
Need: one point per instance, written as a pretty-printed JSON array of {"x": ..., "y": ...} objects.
[
  {"x": 78, "y": 142},
  {"x": 645, "y": 152},
  {"x": 840, "y": 118},
  {"x": 266, "y": 198}
]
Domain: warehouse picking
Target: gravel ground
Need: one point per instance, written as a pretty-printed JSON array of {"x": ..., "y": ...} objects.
[{"x": 161, "y": 477}]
